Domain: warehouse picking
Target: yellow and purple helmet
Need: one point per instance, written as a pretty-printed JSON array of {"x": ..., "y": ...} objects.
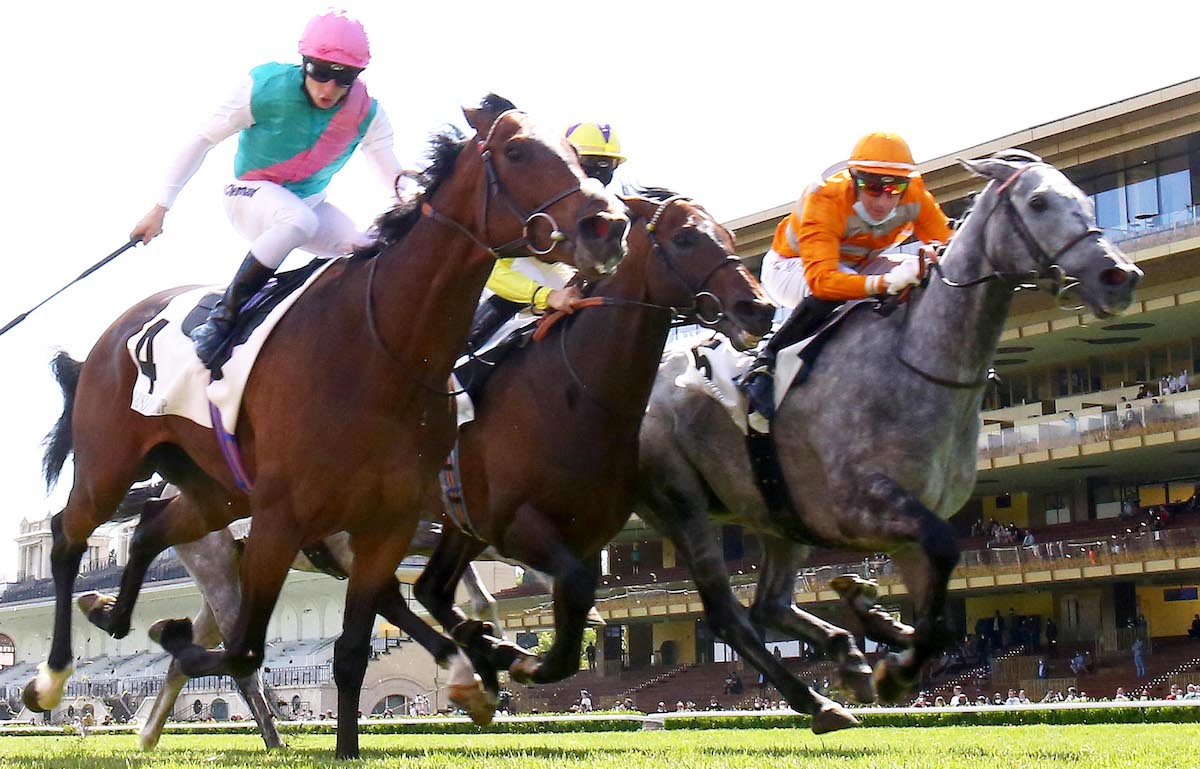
[{"x": 596, "y": 140}]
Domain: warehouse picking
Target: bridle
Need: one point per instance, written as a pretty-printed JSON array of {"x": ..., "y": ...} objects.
[
  {"x": 494, "y": 188},
  {"x": 1061, "y": 282},
  {"x": 678, "y": 314},
  {"x": 697, "y": 291},
  {"x": 522, "y": 246}
]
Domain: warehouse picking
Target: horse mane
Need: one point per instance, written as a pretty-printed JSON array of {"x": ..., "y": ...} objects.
[
  {"x": 658, "y": 194},
  {"x": 444, "y": 148}
]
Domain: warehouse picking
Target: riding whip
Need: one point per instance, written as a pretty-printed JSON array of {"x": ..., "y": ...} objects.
[{"x": 133, "y": 242}]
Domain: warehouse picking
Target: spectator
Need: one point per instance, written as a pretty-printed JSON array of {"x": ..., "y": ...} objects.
[
  {"x": 958, "y": 699},
  {"x": 939, "y": 702},
  {"x": 585, "y": 701},
  {"x": 1078, "y": 664},
  {"x": 503, "y": 704},
  {"x": 1052, "y": 636},
  {"x": 1120, "y": 695},
  {"x": 1139, "y": 661},
  {"x": 635, "y": 558},
  {"x": 1071, "y": 422},
  {"x": 738, "y": 687},
  {"x": 1022, "y": 697},
  {"x": 590, "y": 651},
  {"x": 1193, "y": 692},
  {"x": 1012, "y": 698},
  {"x": 1072, "y": 695},
  {"x": 1194, "y": 632},
  {"x": 997, "y": 699},
  {"x": 1183, "y": 381},
  {"x": 1043, "y": 670},
  {"x": 713, "y": 704},
  {"x": 662, "y": 707}
]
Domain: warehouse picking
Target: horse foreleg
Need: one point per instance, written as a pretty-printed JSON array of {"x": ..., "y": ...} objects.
[
  {"x": 474, "y": 693},
  {"x": 926, "y": 556},
  {"x": 574, "y": 594},
  {"x": 879, "y": 625},
  {"x": 774, "y": 607}
]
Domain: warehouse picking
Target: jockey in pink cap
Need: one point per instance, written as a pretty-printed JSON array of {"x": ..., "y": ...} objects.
[{"x": 298, "y": 124}]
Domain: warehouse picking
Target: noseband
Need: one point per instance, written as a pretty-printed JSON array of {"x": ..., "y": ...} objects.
[{"x": 1048, "y": 267}]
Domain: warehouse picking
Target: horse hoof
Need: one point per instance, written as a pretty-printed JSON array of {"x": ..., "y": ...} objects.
[
  {"x": 891, "y": 686},
  {"x": 147, "y": 740},
  {"x": 851, "y": 587},
  {"x": 45, "y": 691},
  {"x": 523, "y": 670},
  {"x": 475, "y": 700},
  {"x": 171, "y": 634},
  {"x": 855, "y": 681},
  {"x": 831, "y": 718},
  {"x": 594, "y": 619}
]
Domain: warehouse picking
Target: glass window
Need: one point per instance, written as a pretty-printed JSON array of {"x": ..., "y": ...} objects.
[
  {"x": 1110, "y": 202},
  {"x": 1141, "y": 194},
  {"x": 1175, "y": 189}
]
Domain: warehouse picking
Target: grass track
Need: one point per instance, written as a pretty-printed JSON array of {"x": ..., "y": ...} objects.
[{"x": 1157, "y": 746}]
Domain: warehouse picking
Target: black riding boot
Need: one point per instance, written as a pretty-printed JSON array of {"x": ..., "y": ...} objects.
[
  {"x": 759, "y": 382},
  {"x": 489, "y": 316},
  {"x": 213, "y": 332}
]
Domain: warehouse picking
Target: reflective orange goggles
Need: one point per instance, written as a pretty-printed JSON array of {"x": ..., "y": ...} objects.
[{"x": 877, "y": 188}]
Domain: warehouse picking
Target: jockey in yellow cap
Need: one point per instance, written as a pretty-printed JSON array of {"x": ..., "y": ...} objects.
[
  {"x": 831, "y": 247},
  {"x": 527, "y": 281}
]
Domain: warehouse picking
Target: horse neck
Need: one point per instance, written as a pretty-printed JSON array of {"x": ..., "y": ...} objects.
[
  {"x": 952, "y": 333},
  {"x": 616, "y": 350},
  {"x": 426, "y": 286}
]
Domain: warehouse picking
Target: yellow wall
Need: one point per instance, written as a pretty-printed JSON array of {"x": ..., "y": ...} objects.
[
  {"x": 1023, "y": 603},
  {"x": 1181, "y": 492},
  {"x": 668, "y": 554},
  {"x": 1017, "y": 514},
  {"x": 683, "y": 633},
  {"x": 1165, "y": 618},
  {"x": 1155, "y": 494}
]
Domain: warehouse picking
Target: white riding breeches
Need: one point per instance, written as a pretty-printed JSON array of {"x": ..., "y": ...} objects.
[
  {"x": 783, "y": 277},
  {"x": 276, "y": 221}
]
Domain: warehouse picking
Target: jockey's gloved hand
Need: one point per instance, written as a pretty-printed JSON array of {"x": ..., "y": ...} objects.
[{"x": 903, "y": 275}]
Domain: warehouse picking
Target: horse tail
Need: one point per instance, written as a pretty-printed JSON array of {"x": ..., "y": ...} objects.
[{"x": 58, "y": 441}]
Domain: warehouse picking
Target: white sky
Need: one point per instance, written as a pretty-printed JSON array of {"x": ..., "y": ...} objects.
[{"x": 736, "y": 104}]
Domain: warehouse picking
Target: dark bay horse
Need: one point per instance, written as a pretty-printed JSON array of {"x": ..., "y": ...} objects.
[
  {"x": 549, "y": 463},
  {"x": 878, "y": 446},
  {"x": 345, "y": 419}
]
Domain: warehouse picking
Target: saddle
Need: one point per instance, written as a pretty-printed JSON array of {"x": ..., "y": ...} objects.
[{"x": 253, "y": 314}]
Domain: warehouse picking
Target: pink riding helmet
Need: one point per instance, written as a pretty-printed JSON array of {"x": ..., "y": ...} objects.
[{"x": 338, "y": 37}]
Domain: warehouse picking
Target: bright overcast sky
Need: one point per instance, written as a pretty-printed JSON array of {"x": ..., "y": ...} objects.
[{"x": 736, "y": 104}]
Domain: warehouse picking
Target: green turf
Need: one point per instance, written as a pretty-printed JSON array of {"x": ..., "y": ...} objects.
[{"x": 1156, "y": 746}]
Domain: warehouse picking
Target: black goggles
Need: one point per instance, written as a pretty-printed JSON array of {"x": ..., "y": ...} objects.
[{"x": 323, "y": 72}]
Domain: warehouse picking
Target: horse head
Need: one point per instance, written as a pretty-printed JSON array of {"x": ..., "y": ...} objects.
[
  {"x": 692, "y": 266},
  {"x": 538, "y": 183},
  {"x": 1040, "y": 226}
]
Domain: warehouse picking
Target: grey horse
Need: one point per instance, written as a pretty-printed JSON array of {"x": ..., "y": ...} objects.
[
  {"x": 878, "y": 446},
  {"x": 213, "y": 562}
]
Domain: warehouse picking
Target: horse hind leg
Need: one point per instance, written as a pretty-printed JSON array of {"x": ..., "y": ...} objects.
[
  {"x": 90, "y": 504},
  {"x": 773, "y": 607}
]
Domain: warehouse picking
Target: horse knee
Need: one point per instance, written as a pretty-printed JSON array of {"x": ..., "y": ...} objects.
[
  {"x": 941, "y": 548},
  {"x": 242, "y": 665}
]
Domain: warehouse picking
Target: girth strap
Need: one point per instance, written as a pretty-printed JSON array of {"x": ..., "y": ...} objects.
[{"x": 453, "y": 499}]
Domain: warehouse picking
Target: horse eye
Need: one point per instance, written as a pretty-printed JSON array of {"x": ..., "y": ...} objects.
[
  {"x": 1038, "y": 203},
  {"x": 683, "y": 239},
  {"x": 513, "y": 154}
]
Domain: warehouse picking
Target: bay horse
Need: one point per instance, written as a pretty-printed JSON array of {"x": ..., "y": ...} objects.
[
  {"x": 549, "y": 463},
  {"x": 356, "y": 445},
  {"x": 878, "y": 446}
]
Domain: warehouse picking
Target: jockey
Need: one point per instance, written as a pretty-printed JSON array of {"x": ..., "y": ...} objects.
[
  {"x": 527, "y": 281},
  {"x": 830, "y": 248},
  {"x": 298, "y": 124}
]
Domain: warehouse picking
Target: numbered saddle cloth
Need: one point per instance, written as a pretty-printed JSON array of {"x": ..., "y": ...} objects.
[{"x": 172, "y": 380}]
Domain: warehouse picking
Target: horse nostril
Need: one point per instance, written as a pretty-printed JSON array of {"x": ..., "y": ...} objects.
[
  {"x": 1114, "y": 276},
  {"x": 594, "y": 227}
]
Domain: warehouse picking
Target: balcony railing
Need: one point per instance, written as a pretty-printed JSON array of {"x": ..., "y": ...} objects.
[{"x": 1141, "y": 418}]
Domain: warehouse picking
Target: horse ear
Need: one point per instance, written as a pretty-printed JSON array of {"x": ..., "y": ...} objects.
[
  {"x": 482, "y": 117},
  {"x": 992, "y": 168}
]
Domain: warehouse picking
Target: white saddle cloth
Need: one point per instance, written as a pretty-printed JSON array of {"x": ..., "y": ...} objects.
[{"x": 172, "y": 380}]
